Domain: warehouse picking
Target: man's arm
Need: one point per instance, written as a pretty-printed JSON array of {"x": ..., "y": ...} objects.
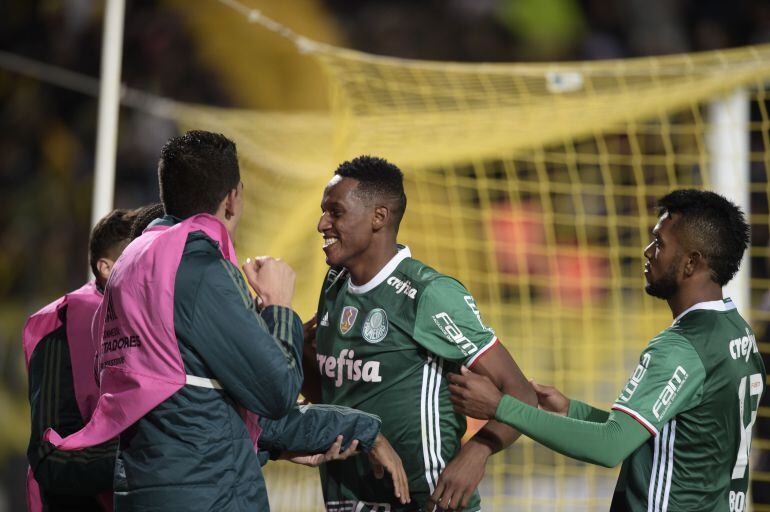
[
  {"x": 636, "y": 414},
  {"x": 448, "y": 323},
  {"x": 53, "y": 404},
  {"x": 256, "y": 358},
  {"x": 552, "y": 400},
  {"x": 463, "y": 474},
  {"x": 314, "y": 428},
  {"x": 606, "y": 444}
]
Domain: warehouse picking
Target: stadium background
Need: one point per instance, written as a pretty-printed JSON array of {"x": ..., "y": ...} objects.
[{"x": 532, "y": 183}]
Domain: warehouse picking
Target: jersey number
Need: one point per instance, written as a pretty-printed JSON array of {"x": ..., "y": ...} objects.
[{"x": 755, "y": 389}]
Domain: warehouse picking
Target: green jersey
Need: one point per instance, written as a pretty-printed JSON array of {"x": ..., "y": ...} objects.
[
  {"x": 696, "y": 389},
  {"x": 385, "y": 348}
]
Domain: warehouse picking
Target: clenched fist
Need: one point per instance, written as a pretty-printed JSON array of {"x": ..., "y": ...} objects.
[{"x": 272, "y": 280}]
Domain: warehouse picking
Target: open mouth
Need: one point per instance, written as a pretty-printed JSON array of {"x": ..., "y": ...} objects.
[{"x": 329, "y": 241}]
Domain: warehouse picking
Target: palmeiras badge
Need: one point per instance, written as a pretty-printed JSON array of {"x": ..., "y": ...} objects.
[
  {"x": 375, "y": 326},
  {"x": 348, "y": 318}
]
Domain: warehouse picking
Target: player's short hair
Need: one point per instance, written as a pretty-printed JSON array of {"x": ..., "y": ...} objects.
[
  {"x": 713, "y": 226},
  {"x": 144, "y": 216},
  {"x": 109, "y": 236},
  {"x": 377, "y": 178},
  {"x": 196, "y": 171}
]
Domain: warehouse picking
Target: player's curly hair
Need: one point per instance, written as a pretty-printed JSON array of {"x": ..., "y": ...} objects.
[
  {"x": 196, "y": 171},
  {"x": 377, "y": 179},
  {"x": 144, "y": 216},
  {"x": 711, "y": 225}
]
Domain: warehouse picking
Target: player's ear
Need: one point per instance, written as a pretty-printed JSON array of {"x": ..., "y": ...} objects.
[
  {"x": 104, "y": 267},
  {"x": 691, "y": 263},
  {"x": 380, "y": 218}
]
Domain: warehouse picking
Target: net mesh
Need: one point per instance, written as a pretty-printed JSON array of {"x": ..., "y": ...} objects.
[{"x": 534, "y": 185}]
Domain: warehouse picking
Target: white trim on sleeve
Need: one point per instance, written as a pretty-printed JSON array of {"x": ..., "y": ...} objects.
[
  {"x": 481, "y": 352},
  {"x": 638, "y": 417}
]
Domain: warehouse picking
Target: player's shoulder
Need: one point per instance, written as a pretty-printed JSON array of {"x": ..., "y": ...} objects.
[
  {"x": 425, "y": 277},
  {"x": 710, "y": 320},
  {"x": 425, "y": 284},
  {"x": 670, "y": 340}
]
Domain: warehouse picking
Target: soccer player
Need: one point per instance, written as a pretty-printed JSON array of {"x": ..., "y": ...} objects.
[
  {"x": 682, "y": 424},
  {"x": 62, "y": 386},
  {"x": 389, "y": 329}
]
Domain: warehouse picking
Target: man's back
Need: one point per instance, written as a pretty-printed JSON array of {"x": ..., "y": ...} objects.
[
  {"x": 704, "y": 380},
  {"x": 193, "y": 451}
]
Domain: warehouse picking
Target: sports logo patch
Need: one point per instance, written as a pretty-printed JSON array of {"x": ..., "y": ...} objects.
[
  {"x": 375, "y": 326},
  {"x": 348, "y": 318}
]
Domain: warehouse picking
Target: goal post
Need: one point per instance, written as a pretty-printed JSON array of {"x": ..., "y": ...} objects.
[{"x": 728, "y": 147}]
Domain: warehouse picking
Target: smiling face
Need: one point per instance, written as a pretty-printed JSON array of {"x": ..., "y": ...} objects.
[
  {"x": 664, "y": 259},
  {"x": 346, "y": 223}
]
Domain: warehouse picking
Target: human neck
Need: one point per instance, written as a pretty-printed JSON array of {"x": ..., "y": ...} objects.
[
  {"x": 229, "y": 223},
  {"x": 688, "y": 296},
  {"x": 367, "y": 265}
]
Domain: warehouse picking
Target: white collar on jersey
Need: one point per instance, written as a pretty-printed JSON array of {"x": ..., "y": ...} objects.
[
  {"x": 388, "y": 269},
  {"x": 725, "y": 304}
]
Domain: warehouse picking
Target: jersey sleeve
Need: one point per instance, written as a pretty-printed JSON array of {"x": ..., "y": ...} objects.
[
  {"x": 668, "y": 380},
  {"x": 448, "y": 323}
]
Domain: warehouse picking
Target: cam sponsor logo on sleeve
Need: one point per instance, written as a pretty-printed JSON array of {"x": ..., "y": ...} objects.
[
  {"x": 635, "y": 379},
  {"x": 667, "y": 396},
  {"x": 472, "y": 305},
  {"x": 347, "y": 318},
  {"x": 454, "y": 334},
  {"x": 325, "y": 320},
  {"x": 375, "y": 326}
]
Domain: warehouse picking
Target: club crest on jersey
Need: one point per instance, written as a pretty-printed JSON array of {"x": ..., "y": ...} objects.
[
  {"x": 375, "y": 326},
  {"x": 348, "y": 318}
]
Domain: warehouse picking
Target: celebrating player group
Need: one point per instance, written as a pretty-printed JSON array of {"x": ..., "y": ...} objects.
[{"x": 164, "y": 384}]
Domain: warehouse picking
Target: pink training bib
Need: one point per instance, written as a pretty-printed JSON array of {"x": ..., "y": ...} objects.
[
  {"x": 138, "y": 356},
  {"x": 81, "y": 305}
]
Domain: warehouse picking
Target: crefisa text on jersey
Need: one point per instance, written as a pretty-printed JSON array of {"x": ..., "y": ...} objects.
[
  {"x": 744, "y": 346},
  {"x": 404, "y": 287},
  {"x": 344, "y": 366}
]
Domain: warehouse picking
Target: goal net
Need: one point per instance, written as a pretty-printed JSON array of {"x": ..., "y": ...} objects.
[{"x": 534, "y": 185}]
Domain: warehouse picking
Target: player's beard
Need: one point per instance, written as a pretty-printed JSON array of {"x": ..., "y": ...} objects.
[{"x": 665, "y": 286}]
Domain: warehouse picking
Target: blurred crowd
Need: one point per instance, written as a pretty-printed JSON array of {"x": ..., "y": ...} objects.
[{"x": 47, "y": 135}]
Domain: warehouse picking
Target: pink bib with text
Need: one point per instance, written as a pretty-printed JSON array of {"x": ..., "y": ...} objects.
[{"x": 138, "y": 354}]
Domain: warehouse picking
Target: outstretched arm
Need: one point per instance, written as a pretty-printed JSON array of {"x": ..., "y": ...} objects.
[
  {"x": 552, "y": 400},
  {"x": 606, "y": 444},
  {"x": 314, "y": 428},
  {"x": 314, "y": 434}
]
